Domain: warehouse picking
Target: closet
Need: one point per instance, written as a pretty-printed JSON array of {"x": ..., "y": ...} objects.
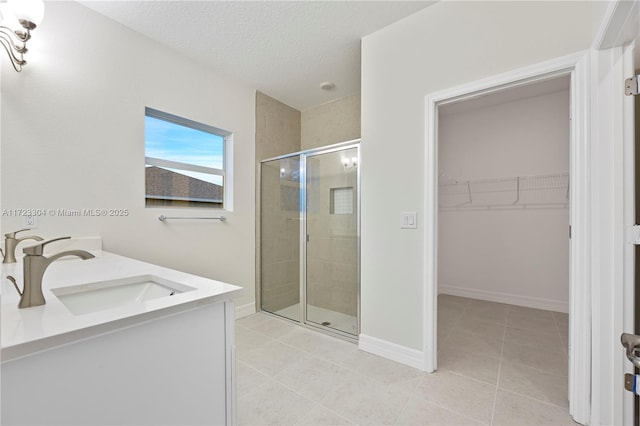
[{"x": 503, "y": 220}]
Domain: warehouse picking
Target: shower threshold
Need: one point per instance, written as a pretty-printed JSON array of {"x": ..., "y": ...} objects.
[{"x": 323, "y": 317}]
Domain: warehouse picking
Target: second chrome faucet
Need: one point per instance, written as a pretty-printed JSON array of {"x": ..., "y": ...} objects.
[{"x": 35, "y": 264}]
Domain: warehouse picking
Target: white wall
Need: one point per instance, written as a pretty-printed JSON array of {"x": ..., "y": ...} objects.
[
  {"x": 506, "y": 255},
  {"x": 444, "y": 45},
  {"x": 73, "y": 138}
]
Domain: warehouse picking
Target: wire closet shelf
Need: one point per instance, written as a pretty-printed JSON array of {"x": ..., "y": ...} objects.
[{"x": 519, "y": 192}]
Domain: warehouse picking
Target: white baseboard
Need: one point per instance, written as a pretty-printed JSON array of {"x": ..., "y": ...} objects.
[
  {"x": 512, "y": 299},
  {"x": 245, "y": 310},
  {"x": 398, "y": 353}
]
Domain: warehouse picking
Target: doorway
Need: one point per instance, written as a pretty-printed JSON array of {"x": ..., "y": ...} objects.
[
  {"x": 310, "y": 236},
  {"x": 503, "y": 238},
  {"x": 579, "y": 323}
]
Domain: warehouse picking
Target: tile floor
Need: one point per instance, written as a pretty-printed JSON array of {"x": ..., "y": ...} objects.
[{"x": 498, "y": 364}]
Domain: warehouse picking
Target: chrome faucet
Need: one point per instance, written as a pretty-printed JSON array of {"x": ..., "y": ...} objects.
[
  {"x": 35, "y": 264},
  {"x": 10, "y": 243}
]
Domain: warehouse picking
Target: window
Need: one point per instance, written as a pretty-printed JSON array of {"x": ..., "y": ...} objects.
[{"x": 184, "y": 162}]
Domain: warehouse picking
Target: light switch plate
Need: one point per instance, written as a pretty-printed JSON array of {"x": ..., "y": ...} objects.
[{"x": 408, "y": 220}]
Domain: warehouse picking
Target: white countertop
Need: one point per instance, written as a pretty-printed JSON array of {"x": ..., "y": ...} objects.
[{"x": 29, "y": 330}]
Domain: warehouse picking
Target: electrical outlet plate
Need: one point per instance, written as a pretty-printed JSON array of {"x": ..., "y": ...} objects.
[{"x": 30, "y": 222}]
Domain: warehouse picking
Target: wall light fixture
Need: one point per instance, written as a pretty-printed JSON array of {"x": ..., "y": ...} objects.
[
  {"x": 17, "y": 19},
  {"x": 350, "y": 163}
]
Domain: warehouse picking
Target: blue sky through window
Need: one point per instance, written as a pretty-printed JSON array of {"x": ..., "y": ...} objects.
[{"x": 174, "y": 142}]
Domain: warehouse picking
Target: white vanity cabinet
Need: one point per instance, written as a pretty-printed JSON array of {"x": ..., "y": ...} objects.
[{"x": 168, "y": 362}]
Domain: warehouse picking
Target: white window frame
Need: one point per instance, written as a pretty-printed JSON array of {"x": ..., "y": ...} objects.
[{"x": 227, "y": 154}]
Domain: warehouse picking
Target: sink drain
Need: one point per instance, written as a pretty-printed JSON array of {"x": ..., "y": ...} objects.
[{"x": 326, "y": 323}]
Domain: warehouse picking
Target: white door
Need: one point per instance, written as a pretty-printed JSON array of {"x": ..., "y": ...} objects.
[{"x": 631, "y": 339}]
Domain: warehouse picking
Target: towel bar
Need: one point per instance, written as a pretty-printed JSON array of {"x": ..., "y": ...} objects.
[{"x": 163, "y": 218}]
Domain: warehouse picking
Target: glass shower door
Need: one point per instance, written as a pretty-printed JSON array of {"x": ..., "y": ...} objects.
[
  {"x": 280, "y": 239},
  {"x": 332, "y": 269}
]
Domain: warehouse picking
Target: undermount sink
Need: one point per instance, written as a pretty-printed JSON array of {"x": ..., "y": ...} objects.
[{"x": 103, "y": 295}]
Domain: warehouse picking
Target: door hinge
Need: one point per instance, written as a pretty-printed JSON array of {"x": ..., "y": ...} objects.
[
  {"x": 631, "y": 86},
  {"x": 633, "y": 235},
  {"x": 630, "y": 382}
]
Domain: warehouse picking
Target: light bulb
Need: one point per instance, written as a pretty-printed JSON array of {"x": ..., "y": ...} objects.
[{"x": 28, "y": 10}]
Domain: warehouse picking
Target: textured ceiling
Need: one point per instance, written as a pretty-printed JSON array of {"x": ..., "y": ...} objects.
[{"x": 282, "y": 48}]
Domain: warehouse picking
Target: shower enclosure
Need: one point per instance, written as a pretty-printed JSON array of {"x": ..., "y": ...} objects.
[{"x": 309, "y": 247}]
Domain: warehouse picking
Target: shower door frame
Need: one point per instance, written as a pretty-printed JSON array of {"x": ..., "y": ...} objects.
[{"x": 303, "y": 155}]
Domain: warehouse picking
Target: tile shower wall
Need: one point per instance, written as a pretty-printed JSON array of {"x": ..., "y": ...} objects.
[
  {"x": 277, "y": 133},
  {"x": 333, "y": 122},
  {"x": 332, "y": 256},
  {"x": 277, "y": 128}
]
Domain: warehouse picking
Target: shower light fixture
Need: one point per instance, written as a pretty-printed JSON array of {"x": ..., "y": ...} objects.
[
  {"x": 17, "y": 19},
  {"x": 350, "y": 163}
]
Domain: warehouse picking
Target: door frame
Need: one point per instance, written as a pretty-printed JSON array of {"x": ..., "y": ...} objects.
[
  {"x": 577, "y": 66},
  {"x": 629, "y": 194},
  {"x": 614, "y": 281}
]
